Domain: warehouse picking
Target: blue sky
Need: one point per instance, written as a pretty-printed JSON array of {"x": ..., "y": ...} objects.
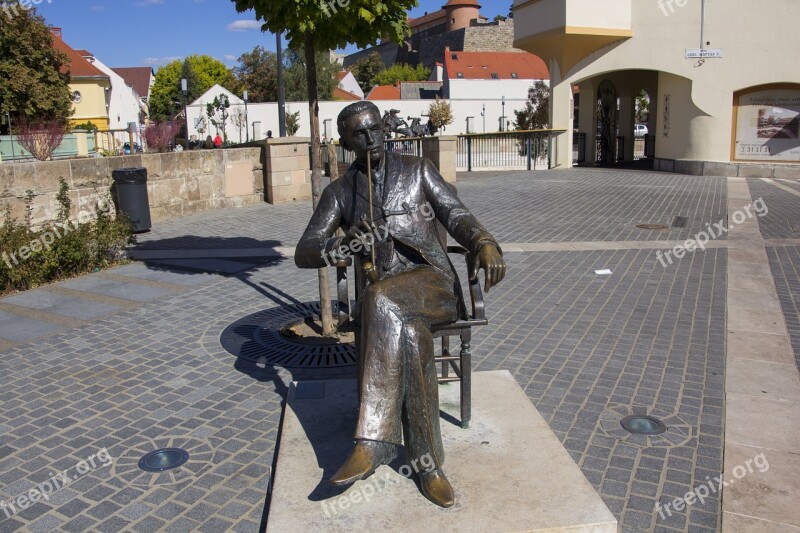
[{"x": 127, "y": 33}]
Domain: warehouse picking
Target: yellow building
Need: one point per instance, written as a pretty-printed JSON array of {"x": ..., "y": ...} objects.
[
  {"x": 723, "y": 80},
  {"x": 91, "y": 88}
]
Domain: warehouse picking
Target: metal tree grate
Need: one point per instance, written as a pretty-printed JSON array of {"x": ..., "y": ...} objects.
[{"x": 259, "y": 336}]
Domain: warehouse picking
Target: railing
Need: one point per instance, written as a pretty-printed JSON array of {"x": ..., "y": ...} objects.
[
  {"x": 12, "y": 151},
  {"x": 579, "y": 148},
  {"x": 506, "y": 150},
  {"x": 601, "y": 151}
]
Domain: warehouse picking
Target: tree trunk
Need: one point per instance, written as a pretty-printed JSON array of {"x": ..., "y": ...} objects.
[{"x": 326, "y": 312}]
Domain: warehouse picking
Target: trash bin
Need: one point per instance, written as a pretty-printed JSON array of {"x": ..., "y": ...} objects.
[{"x": 131, "y": 194}]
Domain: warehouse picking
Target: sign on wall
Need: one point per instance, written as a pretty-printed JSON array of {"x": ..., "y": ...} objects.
[{"x": 768, "y": 126}]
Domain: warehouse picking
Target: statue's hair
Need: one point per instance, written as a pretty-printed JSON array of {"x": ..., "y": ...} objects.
[{"x": 353, "y": 109}]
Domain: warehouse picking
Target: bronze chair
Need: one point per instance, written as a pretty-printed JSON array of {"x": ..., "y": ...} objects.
[{"x": 460, "y": 364}]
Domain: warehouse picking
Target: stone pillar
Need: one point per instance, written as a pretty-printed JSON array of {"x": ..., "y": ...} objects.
[
  {"x": 441, "y": 150},
  {"x": 83, "y": 143},
  {"x": 287, "y": 169},
  {"x": 561, "y": 110}
]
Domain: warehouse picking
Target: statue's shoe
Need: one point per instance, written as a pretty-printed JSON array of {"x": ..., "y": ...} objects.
[
  {"x": 366, "y": 456},
  {"x": 437, "y": 488}
]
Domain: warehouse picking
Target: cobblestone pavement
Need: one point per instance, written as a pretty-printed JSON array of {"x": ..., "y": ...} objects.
[
  {"x": 783, "y": 219},
  {"x": 587, "y": 349},
  {"x": 785, "y": 265}
]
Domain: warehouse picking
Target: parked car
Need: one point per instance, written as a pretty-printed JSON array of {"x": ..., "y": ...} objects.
[
  {"x": 639, "y": 130},
  {"x": 127, "y": 148}
]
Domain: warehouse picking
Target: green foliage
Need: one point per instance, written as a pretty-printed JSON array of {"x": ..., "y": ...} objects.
[
  {"x": 86, "y": 126},
  {"x": 60, "y": 249},
  {"x": 217, "y": 112},
  {"x": 402, "y": 72},
  {"x": 536, "y": 115},
  {"x": 292, "y": 123},
  {"x": 295, "y": 81},
  {"x": 642, "y": 107},
  {"x": 257, "y": 73},
  {"x": 329, "y": 26},
  {"x": 441, "y": 114},
  {"x": 365, "y": 69},
  {"x": 31, "y": 83},
  {"x": 205, "y": 73}
]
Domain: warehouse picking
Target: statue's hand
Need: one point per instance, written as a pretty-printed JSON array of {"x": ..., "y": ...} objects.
[
  {"x": 494, "y": 268},
  {"x": 361, "y": 236}
]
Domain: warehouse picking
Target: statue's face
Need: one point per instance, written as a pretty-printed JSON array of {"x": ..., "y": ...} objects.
[{"x": 364, "y": 133}]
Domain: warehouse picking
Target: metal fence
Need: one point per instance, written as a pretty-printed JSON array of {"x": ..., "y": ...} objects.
[
  {"x": 512, "y": 150},
  {"x": 405, "y": 146}
]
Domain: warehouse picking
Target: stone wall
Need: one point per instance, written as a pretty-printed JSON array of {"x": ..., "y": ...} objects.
[
  {"x": 493, "y": 37},
  {"x": 177, "y": 183}
]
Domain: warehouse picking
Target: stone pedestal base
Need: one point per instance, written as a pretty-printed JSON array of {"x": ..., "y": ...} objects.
[{"x": 509, "y": 470}]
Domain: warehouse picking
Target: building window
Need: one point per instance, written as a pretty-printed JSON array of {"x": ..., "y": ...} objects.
[
  {"x": 453, "y": 56},
  {"x": 460, "y": 75},
  {"x": 513, "y": 75},
  {"x": 495, "y": 76}
]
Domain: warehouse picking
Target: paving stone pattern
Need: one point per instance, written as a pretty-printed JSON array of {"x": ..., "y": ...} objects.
[
  {"x": 586, "y": 348},
  {"x": 783, "y": 219},
  {"x": 785, "y": 265}
]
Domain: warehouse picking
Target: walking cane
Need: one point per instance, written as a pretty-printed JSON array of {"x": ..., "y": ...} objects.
[{"x": 369, "y": 266}]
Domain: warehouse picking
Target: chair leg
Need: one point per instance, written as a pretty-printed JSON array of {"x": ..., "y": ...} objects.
[
  {"x": 466, "y": 377},
  {"x": 445, "y": 353}
]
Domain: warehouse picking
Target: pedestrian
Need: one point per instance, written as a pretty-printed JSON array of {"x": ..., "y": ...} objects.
[
  {"x": 269, "y": 134},
  {"x": 217, "y": 141}
]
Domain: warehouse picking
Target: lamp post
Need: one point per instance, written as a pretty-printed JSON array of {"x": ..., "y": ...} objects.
[
  {"x": 503, "y": 117},
  {"x": 483, "y": 114},
  {"x": 185, "y": 89},
  {"x": 246, "y": 123},
  {"x": 281, "y": 93}
]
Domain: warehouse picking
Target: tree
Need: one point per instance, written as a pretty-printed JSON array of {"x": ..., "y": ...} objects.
[
  {"x": 440, "y": 113},
  {"x": 295, "y": 76},
  {"x": 312, "y": 26},
  {"x": 239, "y": 120},
  {"x": 40, "y": 138},
  {"x": 402, "y": 72},
  {"x": 217, "y": 112},
  {"x": 292, "y": 123},
  {"x": 535, "y": 116},
  {"x": 205, "y": 72},
  {"x": 189, "y": 74},
  {"x": 34, "y": 78},
  {"x": 642, "y": 107},
  {"x": 256, "y": 72},
  {"x": 365, "y": 69}
]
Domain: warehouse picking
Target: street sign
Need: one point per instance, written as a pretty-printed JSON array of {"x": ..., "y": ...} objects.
[{"x": 703, "y": 53}]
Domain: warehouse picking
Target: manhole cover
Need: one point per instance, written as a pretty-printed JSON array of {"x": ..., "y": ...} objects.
[
  {"x": 652, "y": 226},
  {"x": 258, "y": 338}
]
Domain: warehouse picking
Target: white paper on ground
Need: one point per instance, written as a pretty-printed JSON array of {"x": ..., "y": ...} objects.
[{"x": 603, "y": 272}]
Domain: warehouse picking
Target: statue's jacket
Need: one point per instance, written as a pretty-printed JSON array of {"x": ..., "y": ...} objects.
[{"x": 413, "y": 192}]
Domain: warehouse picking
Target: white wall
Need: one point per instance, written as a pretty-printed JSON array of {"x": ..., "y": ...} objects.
[
  {"x": 490, "y": 89},
  {"x": 124, "y": 102},
  {"x": 267, "y": 114},
  {"x": 350, "y": 84}
]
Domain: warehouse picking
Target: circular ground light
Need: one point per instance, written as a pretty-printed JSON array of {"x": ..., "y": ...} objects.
[
  {"x": 643, "y": 425},
  {"x": 163, "y": 459},
  {"x": 652, "y": 226}
]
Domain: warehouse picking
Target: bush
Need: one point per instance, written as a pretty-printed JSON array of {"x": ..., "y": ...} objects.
[
  {"x": 160, "y": 136},
  {"x": 62, "y": 248}
]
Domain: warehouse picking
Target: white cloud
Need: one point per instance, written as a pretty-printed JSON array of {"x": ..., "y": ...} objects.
[
  {"x": 244, "y": 25},
  {"x": 159, "y": 60}
]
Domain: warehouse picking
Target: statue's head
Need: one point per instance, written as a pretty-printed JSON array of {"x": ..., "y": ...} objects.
[{"x": 361, "y": 130}]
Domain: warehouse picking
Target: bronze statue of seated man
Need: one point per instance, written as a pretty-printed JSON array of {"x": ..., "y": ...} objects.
[{"x": 409, "y": 286}]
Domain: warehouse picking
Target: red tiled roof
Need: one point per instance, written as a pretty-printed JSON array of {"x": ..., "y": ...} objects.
[
  {"x": 78, "y": 67},
  {"x": 384, "y": 92},
  {"x": 136, "y": 77},
  {"x": 413, "y": 23},
  {"x": 341, "y": 94},
  {"x": 341, "y": 74},
  {"x": 525, "y": 65}
]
